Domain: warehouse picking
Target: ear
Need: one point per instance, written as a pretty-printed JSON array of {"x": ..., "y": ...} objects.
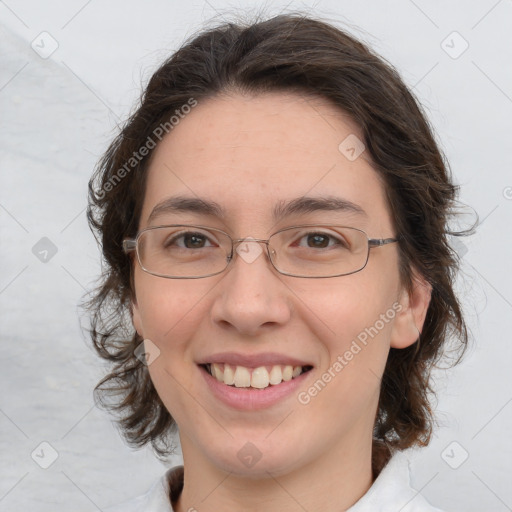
[{"x": 409, "y": 320}]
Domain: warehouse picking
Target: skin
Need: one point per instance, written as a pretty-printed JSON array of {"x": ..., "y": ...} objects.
[{"x": 247, "y": 153}]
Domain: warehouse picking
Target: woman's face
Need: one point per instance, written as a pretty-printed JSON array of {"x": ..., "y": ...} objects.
[{"x": 248, "y": 155}]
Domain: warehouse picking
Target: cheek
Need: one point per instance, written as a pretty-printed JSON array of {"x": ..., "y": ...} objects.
[
  {"x": 346, "y": 388},
  {"x": 169, "y": 312},
  {"x": 357, "y": 315},
  {"x": 349, "y": 306},
  {"x": 172, "y": 311}
]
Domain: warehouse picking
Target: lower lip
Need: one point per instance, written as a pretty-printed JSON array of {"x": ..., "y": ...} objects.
[{"x": 250, "y": 399}]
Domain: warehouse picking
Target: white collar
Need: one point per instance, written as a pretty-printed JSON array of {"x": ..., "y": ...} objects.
[{"x": 392, "y": 490}]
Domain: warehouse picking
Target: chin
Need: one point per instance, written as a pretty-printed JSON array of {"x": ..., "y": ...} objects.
[{"x": 254, "y": 460}]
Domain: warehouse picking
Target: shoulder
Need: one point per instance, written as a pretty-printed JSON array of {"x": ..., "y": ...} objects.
[
  {"x": 158, "y": 497},
  {"x": 392, "y": 490}
]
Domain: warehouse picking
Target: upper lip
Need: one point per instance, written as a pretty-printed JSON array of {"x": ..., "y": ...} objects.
[{"x": 253, "y": 360}]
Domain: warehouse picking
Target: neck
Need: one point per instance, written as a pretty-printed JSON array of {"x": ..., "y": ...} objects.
[{"x": 331, "y": 483}]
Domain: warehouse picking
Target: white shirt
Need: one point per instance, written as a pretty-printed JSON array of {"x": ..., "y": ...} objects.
[{"x": 391, "y": 492}]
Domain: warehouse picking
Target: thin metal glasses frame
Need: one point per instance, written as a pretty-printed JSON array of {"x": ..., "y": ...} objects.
[{"x": 131, "y": 244}]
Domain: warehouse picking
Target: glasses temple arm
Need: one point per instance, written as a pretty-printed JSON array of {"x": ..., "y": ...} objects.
[
  {"x": 129, "y": 245},
  {"x": 377, "y": 242}
]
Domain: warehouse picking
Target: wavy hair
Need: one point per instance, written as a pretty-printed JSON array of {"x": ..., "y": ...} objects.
[{"x": 289, "y": 53}]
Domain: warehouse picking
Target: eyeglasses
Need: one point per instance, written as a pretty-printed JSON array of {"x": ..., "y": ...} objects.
[{"x": 182, "y": 251}]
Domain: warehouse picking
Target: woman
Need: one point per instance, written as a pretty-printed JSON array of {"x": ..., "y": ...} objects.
[{"x": 273, "y": 219}]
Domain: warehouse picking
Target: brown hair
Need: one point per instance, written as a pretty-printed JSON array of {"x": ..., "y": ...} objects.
[{"x": 289, "y": 53}]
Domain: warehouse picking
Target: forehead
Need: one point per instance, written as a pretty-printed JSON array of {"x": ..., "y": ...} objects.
[{"x": 252, "y": 153}]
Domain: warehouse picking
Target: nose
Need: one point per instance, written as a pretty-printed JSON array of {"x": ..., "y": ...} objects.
[{"x": 251, "y": 296}]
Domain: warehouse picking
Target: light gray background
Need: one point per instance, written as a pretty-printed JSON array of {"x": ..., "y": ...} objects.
[{"x": 57, "y": 116}]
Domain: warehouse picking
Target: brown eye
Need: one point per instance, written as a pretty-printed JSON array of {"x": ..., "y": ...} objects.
[
  {"x": 319, "y": 240},
  {"x": 189, "y": 240}
]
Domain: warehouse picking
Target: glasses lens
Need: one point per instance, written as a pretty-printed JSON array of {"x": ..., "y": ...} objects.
[
  {"x": 319, "y": 251},
  {"x": 183, "y": 251}
]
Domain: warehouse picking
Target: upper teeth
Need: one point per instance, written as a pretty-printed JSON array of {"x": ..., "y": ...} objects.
[{"x": 260, "y": 377}]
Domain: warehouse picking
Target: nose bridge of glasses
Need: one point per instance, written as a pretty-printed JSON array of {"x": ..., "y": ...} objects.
[
  {"x": 238, "y": 241},
  {"x": 249, "y": 239}
]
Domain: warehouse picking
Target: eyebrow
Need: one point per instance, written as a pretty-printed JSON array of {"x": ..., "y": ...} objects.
[{"x": 283, "y": 209}]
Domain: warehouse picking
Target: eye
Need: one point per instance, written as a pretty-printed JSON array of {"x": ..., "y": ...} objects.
[
  {"x": 189, "y": 240},
  {"x": 320, "y": 240}
]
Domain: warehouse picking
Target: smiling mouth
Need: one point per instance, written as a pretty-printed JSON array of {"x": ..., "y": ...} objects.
[{"x": 254, "y": 378}]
